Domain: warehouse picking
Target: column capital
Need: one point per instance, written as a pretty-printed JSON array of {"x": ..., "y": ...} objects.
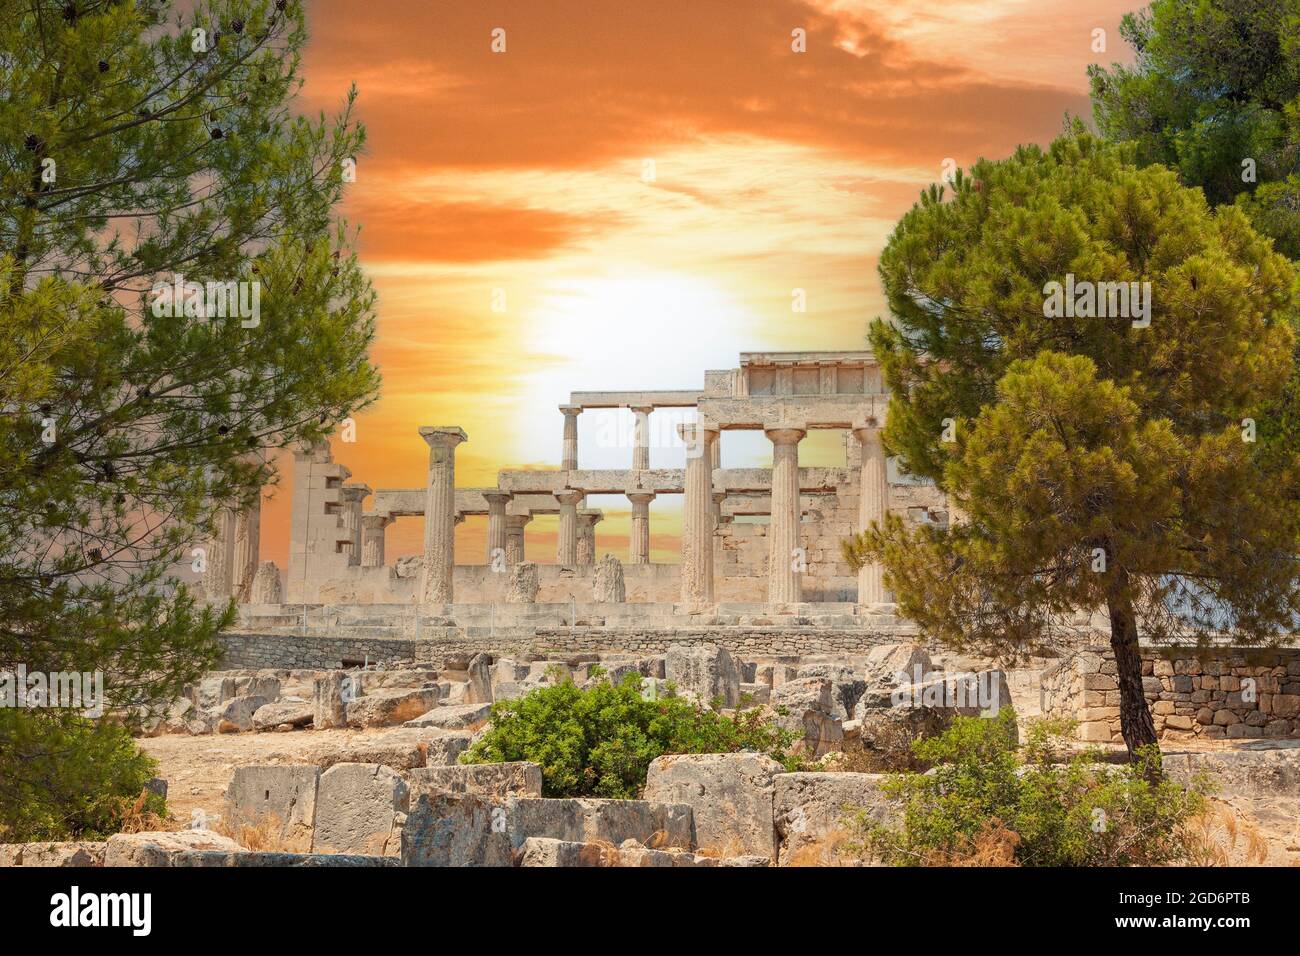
[
  {"x": 569, "y": 496},
  {"x": 687, "y": 431},
  {"x": 517, "y": 521},
  {"x": 376, "y": 520},
  {"x": 719, "y": 495},
  {"x": 571, "y": 410},
  {"x": 355, "y": 492},
  {"x": 495, "y": 495},
  {"x": 445, "y": 436},
  {"x": 641, "y": 497},
  {"x": 592, "y": 516},
  {"x": 642, "y": 409},
  {"x": 785, "y": 433},
  {"x": 864, "y": 428}
]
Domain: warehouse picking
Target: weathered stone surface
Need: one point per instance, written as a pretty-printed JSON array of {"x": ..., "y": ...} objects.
[
  {"x": 445, "y": 829},
  {"x": 523, "y": 584},
  {"x": 485, "y": 779},
  {"x": 266, "y": 584},
  {"x": 282, "y": 797},
  {"x": 329, "y": 700},
  {"x": 506, "y": 670},
  {"x": 455, "y": 717},
  {"x": 704, "y": 671},
  {"x": 479, "y": 671},
  {"x": 296, "y": 713},
  {"x": 74, "y": 853},
  {"x": 386, "y": 708},
  {"x": 213, "y": 691},
  {"x": 244, "y": 858},
  {"x": 810, "y": 811},
  {"x": 548, "y": 852},
  {"x": 360, "y": 808},
  {"x": 162, "y": 849},
  {"x": 258, "y": 685},
  {"x": 809, "y": 711},
  {"x": 846, "y": 686},
  {"x": 887, "y": 661},
  {"x": 609, "y": 586},
  {"x": 755, "y": 695},
  {"x": 730, "y": 796},
  {"x": 445, "y": 748},
  {"x": 650, "y": 822},
  {"x": 236, "y": 715}
]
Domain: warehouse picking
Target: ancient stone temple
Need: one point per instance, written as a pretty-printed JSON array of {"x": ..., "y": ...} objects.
[{"x": 750, "y": 536}]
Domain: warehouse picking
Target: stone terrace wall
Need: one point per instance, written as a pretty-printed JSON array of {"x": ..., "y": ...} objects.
[{"x": 1190, "y": 696}]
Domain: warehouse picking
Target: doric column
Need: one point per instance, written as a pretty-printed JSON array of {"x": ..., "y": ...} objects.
[
  {"x": 515, "y": 538},
  {"x": 218, "y": 574},
  {"x": 248, "y": 535},
  {"x": 587, "y": 521},
  {"x": 496, "y": 528},
  {"x": 697, "y": 514},
  {"x": 440, "y": 513},
  {"x": 569, "y": 451},
  {"x": 783, "y": 532},
  {"x": 566, "y": 552},
  {"x": 351, "y": 497},
  {"x": 641, "y": 452},
  {"x": 373, "y": 539},
  {"x": 638, "y": 549},
  {"x": 873, "y": 505}
]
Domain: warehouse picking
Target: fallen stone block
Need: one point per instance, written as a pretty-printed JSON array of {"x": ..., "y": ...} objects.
[
  {"x": 213, "y": 691},
  {"x": 454, "y": 717},
  {"x": 258, "y": 685},
  {"x": 484, "y": 779},
  {"x": 755, "y": 695},
  {"x": 730, "y": 797},
  {"x": 52, "y": 854},
  {"x": 846, "y": 686},
  {"x": 295, "y": 713},
  {"x": 387, "y": 708},
  {"x": 705, "y": 671},
  {"x": 162, "y": 848},
  {"x": 479, "y": 673},
  {"x": 263, "y": 858},
  {"x": 360, "y": 809},
  {"x": 812, "y": 811},
  {"x": 281, "y": 797},
  {"x": 236, "y": 716},
  {"x": 331, "y": 691},
  {"x": 444, "y": 829},
  {"x": 584, "y": 820},
  {"x": 808, "y": 710}
]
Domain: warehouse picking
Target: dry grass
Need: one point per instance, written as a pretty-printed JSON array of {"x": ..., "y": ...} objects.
[
  {"x": 1218, "y": 837},
  {"x": 824, "y": 852},
  {"x": 266, "y": 834},
  {"x": 134, "y": 818}
]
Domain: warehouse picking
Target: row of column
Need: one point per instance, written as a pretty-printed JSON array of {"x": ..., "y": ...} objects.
[
  {"x": 785, "y": 561},
  {"x": 641, "y": 431}
]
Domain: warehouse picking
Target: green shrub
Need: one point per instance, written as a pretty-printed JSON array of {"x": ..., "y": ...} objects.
[
  {"x": 991, "y": 800},
  {"x": 599, "y": 741},
  {"x": 65, "y": 777}
]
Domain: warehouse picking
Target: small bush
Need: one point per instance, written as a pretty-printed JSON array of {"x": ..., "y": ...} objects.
[
  {"x": 65, "y": 777},
  {"x": 599, "y": 741},
  {"x": 991, "y": 801}
]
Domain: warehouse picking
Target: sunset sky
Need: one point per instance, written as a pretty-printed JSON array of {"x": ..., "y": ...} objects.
[{"x": 523, "y": 173}]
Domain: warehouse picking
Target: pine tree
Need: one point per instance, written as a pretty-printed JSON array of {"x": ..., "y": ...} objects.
[
  {"x": 1100, "y": 462},
  {"x": 140, "y": 149}
]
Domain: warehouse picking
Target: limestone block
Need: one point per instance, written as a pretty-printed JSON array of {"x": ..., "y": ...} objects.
[
  {"x": 266, "y": 584},
  {"x": 444, "y": 829},
  {"x": 887, "y": 661},
  {"x": 236, "y": 715},
  {"x": 812, "y": 811},
  {"x": 730, "y": 796},
  {"x": 808, "y": 706},
  {"x": 329, "y": 703},
  {"x": 609, "y": 587},
  {"x": 258, "y": 685},
  {"x": 479, "y": 690},
  {"x": 296, "y": 713},
  {"x": 523, "y": 584},
  {"x": 846, "y": 686},
  {"x": 704, "y": 671},
  {"x": 454, "y": 717},
  {"x": 758, "y": 694},
  {"x": 387, "y": 708},
  {"x": 360, "y": 808},
  {"x": 59, "y": 854},
  {"x": 282, "y": 797},
  {"x": 506, "y": 670},
  {"x": 484, "y": 779},
  {"x": 649, "y": 822},
  {"x": 162, "y": 848},
  {"x": 213, "y": 691},
  {"x": 445, "y": 748}
]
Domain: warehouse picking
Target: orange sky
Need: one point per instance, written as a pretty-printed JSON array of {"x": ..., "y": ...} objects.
[{"x": 523, "y": 174}]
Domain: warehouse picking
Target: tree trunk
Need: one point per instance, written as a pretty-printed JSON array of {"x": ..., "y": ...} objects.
[{"x": 1135, "y": 721}]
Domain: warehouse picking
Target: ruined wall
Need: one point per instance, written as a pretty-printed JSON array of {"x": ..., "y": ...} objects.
[{"x": 1233, "y": 693}]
